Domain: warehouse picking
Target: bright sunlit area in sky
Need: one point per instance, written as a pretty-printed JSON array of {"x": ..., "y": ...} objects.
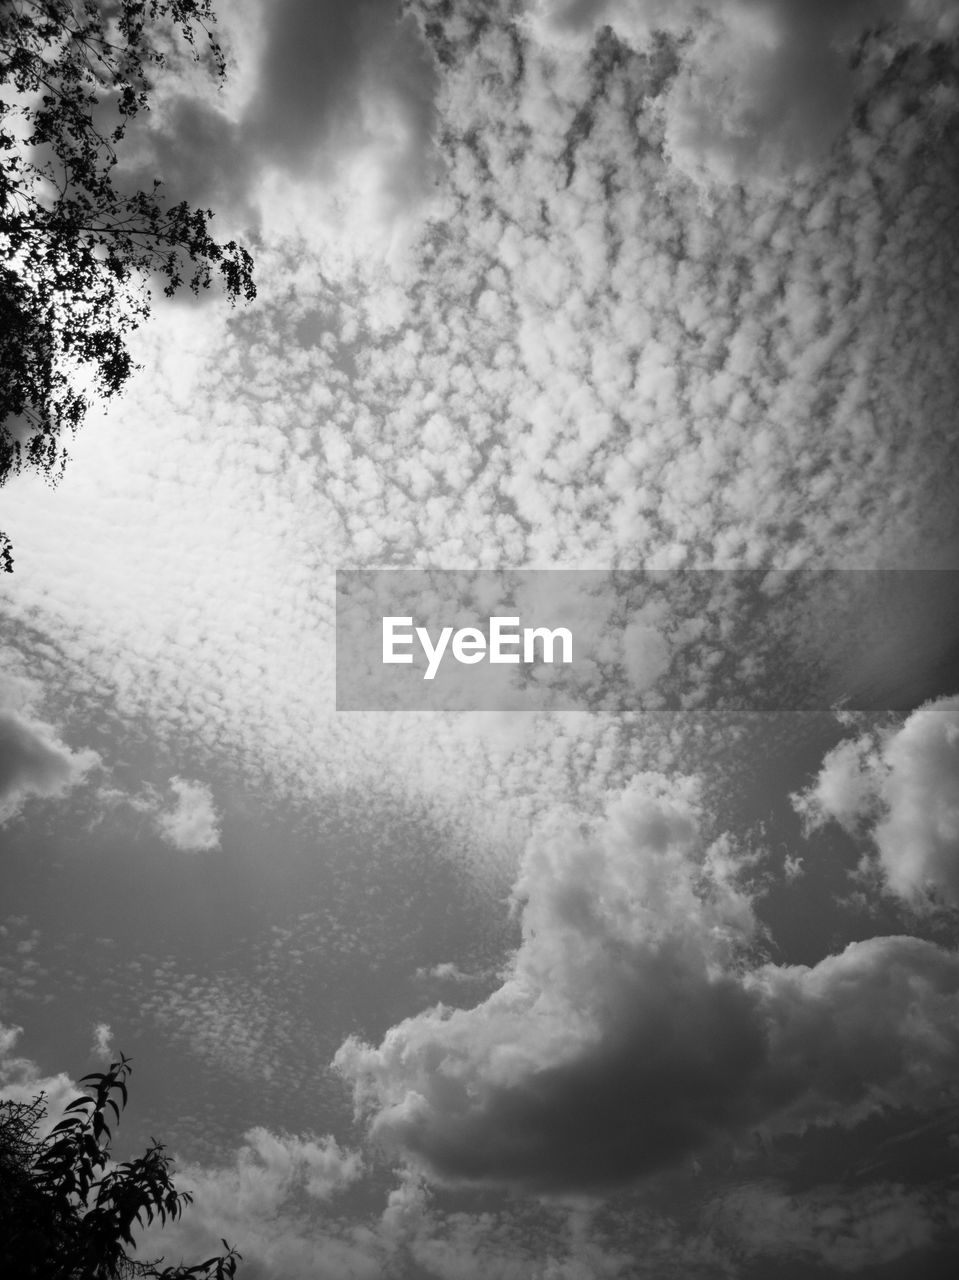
[{"x": 660, "y": 982}]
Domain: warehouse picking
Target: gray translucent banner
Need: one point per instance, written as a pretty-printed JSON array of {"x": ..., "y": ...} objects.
[{"x": 620, "y": 641}]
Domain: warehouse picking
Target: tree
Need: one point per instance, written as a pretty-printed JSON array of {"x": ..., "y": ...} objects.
[
  {"x": 77, "y": 247},
  {"x": 67, "y": 1212}
]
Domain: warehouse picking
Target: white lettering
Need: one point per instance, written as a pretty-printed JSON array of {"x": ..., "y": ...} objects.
[
  {"x": 434, "y": 656},
  {"x": 391, "y": 639},
  {"x": 497, "y": 639},
  {"x": 469, "y": 644},
  {"x": 530, "y": 635}
]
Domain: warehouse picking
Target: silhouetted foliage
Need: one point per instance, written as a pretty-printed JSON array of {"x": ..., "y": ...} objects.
[
  {"x": 67, "y": 1212},
  {"x": 76, "y": 250}
]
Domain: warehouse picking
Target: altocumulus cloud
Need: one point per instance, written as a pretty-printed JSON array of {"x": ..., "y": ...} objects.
[
  {"x": 635, "y": 1029},
  {"x": 845, "y": 1228},
  {"x": 763, "y": 85},
  {"x": 523, "y": 429},
  {"x": 899, "y": 788}
]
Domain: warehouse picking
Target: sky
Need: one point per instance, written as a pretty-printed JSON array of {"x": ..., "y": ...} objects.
[{"x": 656, "y": 979}]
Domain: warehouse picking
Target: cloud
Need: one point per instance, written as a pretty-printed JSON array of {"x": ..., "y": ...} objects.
[
  {"x": 192, "y": 824},
  {"x": 871, "y": 1027},
  {"x": 633, "y": 1031},
  {"x": 102, "y": 1044},
  {"x": 327, "y": 120},
  {"x": 845, "y": 1228},
  {"x": 256, "y": 1201},
  {"x": 594, "y": 367},
  {"x": 763, "y": 86},
  {"x": 319, "y": 63},
  {"x": 34, "y": 761},
  {"x": 845, "y": 788},
  {"x": 901, "y": 789},
  {"x": 344, "y": 102},
  {"x": 449, "y": 972},
  {"x": 232, "y": 1024},
  {"x": 549, "y": 1083},
  {"x": 22, "y": 1081},
  {"x": 448, "y": 428},
  {"x": 188, "y": 819},
  {"x": 268, "y": 1168},
  {"x": 586, "y": 373}
]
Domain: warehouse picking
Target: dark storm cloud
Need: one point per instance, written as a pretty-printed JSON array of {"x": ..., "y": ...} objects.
[
  {"x": 309, "y": 72},
  {"x": 198, "y": 151},
  {"x": 316, "y": 85},
  {"x": 321, "y": 57},
  {"x": 653, "y": 1089},
  {"x": 632, "y": 1033}
]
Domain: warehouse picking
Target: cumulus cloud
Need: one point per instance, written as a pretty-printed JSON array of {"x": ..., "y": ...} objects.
[
  {"x": 34, "y": 761},
  {"x": 268, "y": 1168},
  {"x": 187, "y": 818},
  {"x": 763, "y": 85},
  {"x": 256, "y": 1197},
  {"x": 21, "y": 1080},
  {"x": 192, "y": 823},
  {"x": 102, "y": 1045},
  {"x": 256, "y": 1201},
  {"x": 592, "y": 369},
  {"x": 546, "y": 1084},
  {"x": 634, "y": 1031},
  {"x": 871, "y": 1027},
  {"x": 901, "y": 789},
  {"x": 845, "y": 788}
]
